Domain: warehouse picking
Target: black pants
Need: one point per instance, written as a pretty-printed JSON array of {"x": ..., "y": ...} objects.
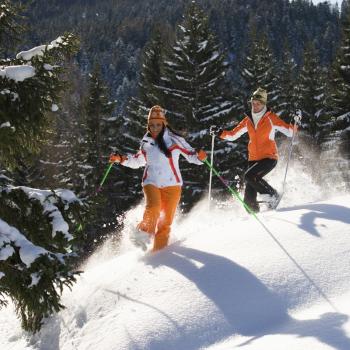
[{"x": 254, "y": 179}]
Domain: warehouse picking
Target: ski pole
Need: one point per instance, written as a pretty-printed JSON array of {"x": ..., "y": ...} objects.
[
  {"x": 104, "y": 177},
  {"x": 297, "y": 119},
  {"x": 211, "y": 132},
  {"x": 232, "y": 191}
]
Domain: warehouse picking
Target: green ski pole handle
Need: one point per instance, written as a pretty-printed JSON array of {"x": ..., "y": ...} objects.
[
  {"x": 232, "y": 191},
  {"x": 105, "y": 177}
]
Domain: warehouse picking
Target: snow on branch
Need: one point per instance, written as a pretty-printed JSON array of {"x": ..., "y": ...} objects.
[
  {"x": 40, "y": 50},
  {"x": 25, "y": 71},
  {"x": 17, "y": 73},
  {"x": 48, "y": 201},
  {"x": 27, "y": 250}
]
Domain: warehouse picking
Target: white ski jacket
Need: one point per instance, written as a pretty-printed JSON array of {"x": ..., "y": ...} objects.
[{"x": 161, "y": 171}]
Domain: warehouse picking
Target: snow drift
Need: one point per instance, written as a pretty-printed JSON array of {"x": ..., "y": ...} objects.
[{"x": 225, "y": 281}]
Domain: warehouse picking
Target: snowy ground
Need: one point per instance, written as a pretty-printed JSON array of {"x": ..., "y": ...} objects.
[{"x": 225, "y": 282}]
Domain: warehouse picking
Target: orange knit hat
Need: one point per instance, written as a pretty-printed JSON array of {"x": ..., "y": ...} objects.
[{"x": 157, "y": 113}]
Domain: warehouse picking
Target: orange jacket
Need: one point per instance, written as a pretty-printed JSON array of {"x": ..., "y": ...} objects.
[{"x": 261, "y": 137}]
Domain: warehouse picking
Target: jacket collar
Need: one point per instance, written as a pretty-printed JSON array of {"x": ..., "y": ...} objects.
[{"x": 249, "y": 114}]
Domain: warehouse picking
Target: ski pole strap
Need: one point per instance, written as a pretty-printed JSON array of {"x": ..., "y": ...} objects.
[
  {"x": 232, "y": 191},
  {"x": 105, "y": 176}
]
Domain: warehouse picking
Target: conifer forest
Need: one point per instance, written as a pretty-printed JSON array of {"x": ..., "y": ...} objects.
[{"x": 77, "y": 79}]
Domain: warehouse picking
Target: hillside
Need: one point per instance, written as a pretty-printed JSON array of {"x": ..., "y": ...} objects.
[
  {"x": 114, "y": 33},
  {"x": 224, "y": 282}
]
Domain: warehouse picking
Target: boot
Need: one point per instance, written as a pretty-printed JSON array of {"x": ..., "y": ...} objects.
[
  {"x": 254, "y": 206},
  {"x": 275, "y": 198},
  {"x": 140, "y": 238},
  {"x": 270, "y": 199}
]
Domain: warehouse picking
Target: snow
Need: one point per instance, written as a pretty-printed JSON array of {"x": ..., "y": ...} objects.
[
  {"x": 48, "y": 202},
  {"x": 226, "y": 281},
  {"x": 54, "y": 108},
  {"x": 35, "y": 279},
  {"x": 67, "y": 196},
  {"x": 29, "y": 54},
  {"x": 6, "y": 252},
  {"x": 178, "y": 77},
  {"x": 202, "y": 45},
  {"x": 345, "y": 116},
  {"x": 17, "y": 73},
  {"x": 48, "y": 67},
  {"x": 14, "y": 95},
  {"x": 5, "y": 125},
  {"x": 182, "y": 28},
  {"x": 27, "y": 250},
  {"x": 332, "y": 2},
  {"x": 39, "y": 50},
  {"x": 214, "y": 56},
  {"x": 4, "y": 177}
]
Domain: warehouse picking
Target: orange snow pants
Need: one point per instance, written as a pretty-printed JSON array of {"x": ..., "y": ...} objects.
[{"x": 161, "y": 204}]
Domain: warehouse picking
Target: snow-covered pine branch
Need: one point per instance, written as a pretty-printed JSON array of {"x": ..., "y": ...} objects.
[
  {"x": 39, "y": 230},
  {"x": 30, "y": 86}
]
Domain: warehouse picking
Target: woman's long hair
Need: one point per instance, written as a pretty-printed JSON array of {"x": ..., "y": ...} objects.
[{"x": 160, "y": 140}]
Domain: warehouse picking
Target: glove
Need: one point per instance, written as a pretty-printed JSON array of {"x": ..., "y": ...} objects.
[
  {"x": 115, "y": 158},
  {"x": 297, "y": 117},
  {"x": 201, "y": 155},
  {"x": 215, "y": 130}
]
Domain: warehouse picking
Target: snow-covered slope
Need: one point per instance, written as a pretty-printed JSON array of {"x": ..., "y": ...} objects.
[{"x": 225, "y": 282}]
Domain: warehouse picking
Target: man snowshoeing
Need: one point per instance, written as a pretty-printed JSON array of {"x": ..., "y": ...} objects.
[{"x": 261, "y": 124}]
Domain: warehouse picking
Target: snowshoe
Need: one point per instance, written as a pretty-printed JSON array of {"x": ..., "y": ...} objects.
[
  {"x": 253, "y": 207},
  {"x": 271, "y": 201},
  {"x": 140, "y": 239}
]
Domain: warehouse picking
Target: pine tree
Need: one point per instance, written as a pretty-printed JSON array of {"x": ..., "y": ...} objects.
[
  {"x": 286, "y": 80},
  {"x": 76, "y": 155},
  {"x": 63, "y": 153},
  {"x": 259, "y": 69},
  {"x": 39, "y": 233},
  {"x": 39, "y": 229},
  {"x": 31, "y": 92},
  {"x": 337, "y": 146},
  {"x": 98, "y": 109},
  {"x": 99, "y": 133},
  {"x": 194, "y": 92},
  {"x": 11, "y": 25},
  {"x": 133, "y": 123},
  {"x": 194, "y": 74},
  {"x": 152, "y": 60},
  {"x": 56, "y": 164},
  {"x": 340, "y": 99},
  {"x": 310, "y": 98},
  {"x": 132, "y": 126}
]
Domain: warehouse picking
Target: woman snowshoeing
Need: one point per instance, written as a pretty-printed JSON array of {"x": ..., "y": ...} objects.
[
  {"x": 159, "y": 153},
  {"x": 261, "y": 124}
]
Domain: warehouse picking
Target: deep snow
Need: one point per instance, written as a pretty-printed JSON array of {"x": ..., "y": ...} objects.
[{"x": 225, "y": 282}]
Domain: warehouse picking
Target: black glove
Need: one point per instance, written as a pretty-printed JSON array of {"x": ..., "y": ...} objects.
[{"x": 215, "y": 130}]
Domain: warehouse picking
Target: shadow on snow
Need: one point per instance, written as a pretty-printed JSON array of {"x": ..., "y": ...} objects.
[
  {"x": 320, "y": 211},
  {"x": 250, "y": 308}
]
